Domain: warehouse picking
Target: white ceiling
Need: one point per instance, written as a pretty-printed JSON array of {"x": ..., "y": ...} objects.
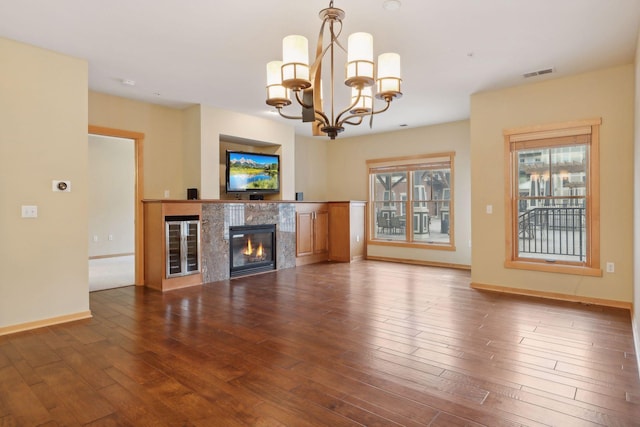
[{"x": 183, "y": 52}]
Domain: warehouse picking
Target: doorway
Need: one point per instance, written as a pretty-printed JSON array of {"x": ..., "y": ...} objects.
[{"x": 115, "y": 208}]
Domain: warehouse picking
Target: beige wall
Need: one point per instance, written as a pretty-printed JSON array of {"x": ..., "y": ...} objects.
[
  {"x": 311, "y": 167},
  {"x": 163, "y": 142},
  {"x": 181, "y": 147},
  {"x": 347, "y": 177},
  {"x": 43, "y": 137},
  {"x": 191, "y": 139},
  {"x": 215, "y": 124},
  {"x": 605, "y": 93},
  {"x": 111, "y": 185}
]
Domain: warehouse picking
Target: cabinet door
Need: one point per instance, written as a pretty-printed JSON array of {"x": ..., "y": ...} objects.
[
  {"x": 321, "y": 232},
  {"x": 304, "y": 233},
  {"x": 174, "y": 248},
  {"x": 191, "y": 237}
]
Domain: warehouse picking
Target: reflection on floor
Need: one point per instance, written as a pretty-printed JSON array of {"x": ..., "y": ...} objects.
[{"x": 108, "y": 273}]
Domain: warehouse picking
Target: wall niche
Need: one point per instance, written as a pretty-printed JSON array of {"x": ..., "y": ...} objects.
[{"x": 252, "y": 146}]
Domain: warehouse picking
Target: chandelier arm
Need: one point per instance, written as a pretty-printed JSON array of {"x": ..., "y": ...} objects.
[
  {"x": 319, "y": 58},
  {"x": 300, "y": 101},
  {"x": 334, "y": 38},
  {"x": 322, "y": 117},
  {"x": 286, "y": 116},
  {"x": 319, "y": 52},
  {"x": 348, "y": 121},
  {"x": 316, "y": 78},
  {"x": 348, "y": 109},
  {"x": 388, "y": 101},
  {"x": 372, "y": 113},
  {"x": 362, "y": 115},
  {"x": 332, "y": 75}
]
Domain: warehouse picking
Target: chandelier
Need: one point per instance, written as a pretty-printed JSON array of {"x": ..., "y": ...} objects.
[{"x": 295, "y": 74}]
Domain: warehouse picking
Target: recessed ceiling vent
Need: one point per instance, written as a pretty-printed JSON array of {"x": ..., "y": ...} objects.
[{"x": 538, "y": 73}]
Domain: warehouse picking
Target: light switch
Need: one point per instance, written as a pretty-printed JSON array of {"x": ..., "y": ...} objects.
[
  {"x": 489, "y": 209},
  {"x": 29, "y": 211}
]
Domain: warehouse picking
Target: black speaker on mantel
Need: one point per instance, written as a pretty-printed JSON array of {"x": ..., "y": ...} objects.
[
  {"x": 192, "y": 194},
  {"x": 300, "y": 196},
  {"x": 256, "y": 196}
]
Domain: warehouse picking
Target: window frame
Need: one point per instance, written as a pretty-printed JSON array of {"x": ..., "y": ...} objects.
[
  {"x": 408, "y": 165},
  {"x": 546, "y": 136}
]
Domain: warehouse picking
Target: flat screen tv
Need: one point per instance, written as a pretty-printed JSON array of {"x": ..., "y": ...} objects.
[{"x": 254, "y": 173}]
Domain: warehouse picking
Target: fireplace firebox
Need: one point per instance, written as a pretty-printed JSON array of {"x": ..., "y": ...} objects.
[{"x": 252, "y": 249}]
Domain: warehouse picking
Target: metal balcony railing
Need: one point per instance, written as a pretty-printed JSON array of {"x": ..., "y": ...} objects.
[{"x": 553, "y": 231}]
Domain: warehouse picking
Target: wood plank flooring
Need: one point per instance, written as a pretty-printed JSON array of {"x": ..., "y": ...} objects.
[{"x": 368, "y": 343}]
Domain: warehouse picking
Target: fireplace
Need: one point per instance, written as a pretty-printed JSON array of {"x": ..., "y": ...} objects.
[{"x": 252, "y": 249}]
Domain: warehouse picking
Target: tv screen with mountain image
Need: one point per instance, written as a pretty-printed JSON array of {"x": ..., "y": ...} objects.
[{"x": 253, "y": 172}]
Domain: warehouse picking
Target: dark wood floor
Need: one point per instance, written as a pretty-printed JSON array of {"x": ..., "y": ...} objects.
[{"x": 369, "y": 343}]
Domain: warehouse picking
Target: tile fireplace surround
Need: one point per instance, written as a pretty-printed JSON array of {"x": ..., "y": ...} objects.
[{"x": 218, "y": 217}]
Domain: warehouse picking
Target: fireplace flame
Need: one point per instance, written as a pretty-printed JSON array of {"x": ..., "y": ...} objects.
[
  {"x": 249, "y": 249},
  {"x": 260, "y": 252}
]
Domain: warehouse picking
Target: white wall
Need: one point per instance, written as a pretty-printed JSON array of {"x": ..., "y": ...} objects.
[
  {"x": 111, "y": 196},
  {"x": 43, "y": 137}
]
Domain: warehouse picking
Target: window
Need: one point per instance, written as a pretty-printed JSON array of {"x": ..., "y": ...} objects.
[
  {"x": 411, "y": 201},
  {"x": 553, "y": 198}
]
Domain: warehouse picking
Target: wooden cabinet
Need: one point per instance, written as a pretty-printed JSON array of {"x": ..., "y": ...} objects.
[
  {"x": 330, "y": 231},
  {"x": 347, "y": 231},
  {"x": 312, "y": 233},
  {"x": 171, "y": 245}
]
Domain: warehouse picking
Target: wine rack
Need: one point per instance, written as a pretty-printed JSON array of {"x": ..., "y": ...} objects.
[{"x": 182, "y": 245}]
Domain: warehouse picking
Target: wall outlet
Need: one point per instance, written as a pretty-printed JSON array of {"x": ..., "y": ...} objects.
[
  {"x": 611, "y": 267},
  {"x": 110, "y": 236},
  {"x": 357, "y": 238},
  {"x": 95, "y": 237},
  {"x": 167, "y": 194}
]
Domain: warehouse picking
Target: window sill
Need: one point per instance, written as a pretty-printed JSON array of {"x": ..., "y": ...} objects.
[
  {"x": 577, "y": 270},
  {"x": 415, "y": 245}
]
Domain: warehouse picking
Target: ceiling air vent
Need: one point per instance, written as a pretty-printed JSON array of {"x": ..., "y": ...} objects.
[{"x": 537, "y": 73}]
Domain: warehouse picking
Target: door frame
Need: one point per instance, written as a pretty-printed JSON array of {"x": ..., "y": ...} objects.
[{"x": 138, "y": 139}]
